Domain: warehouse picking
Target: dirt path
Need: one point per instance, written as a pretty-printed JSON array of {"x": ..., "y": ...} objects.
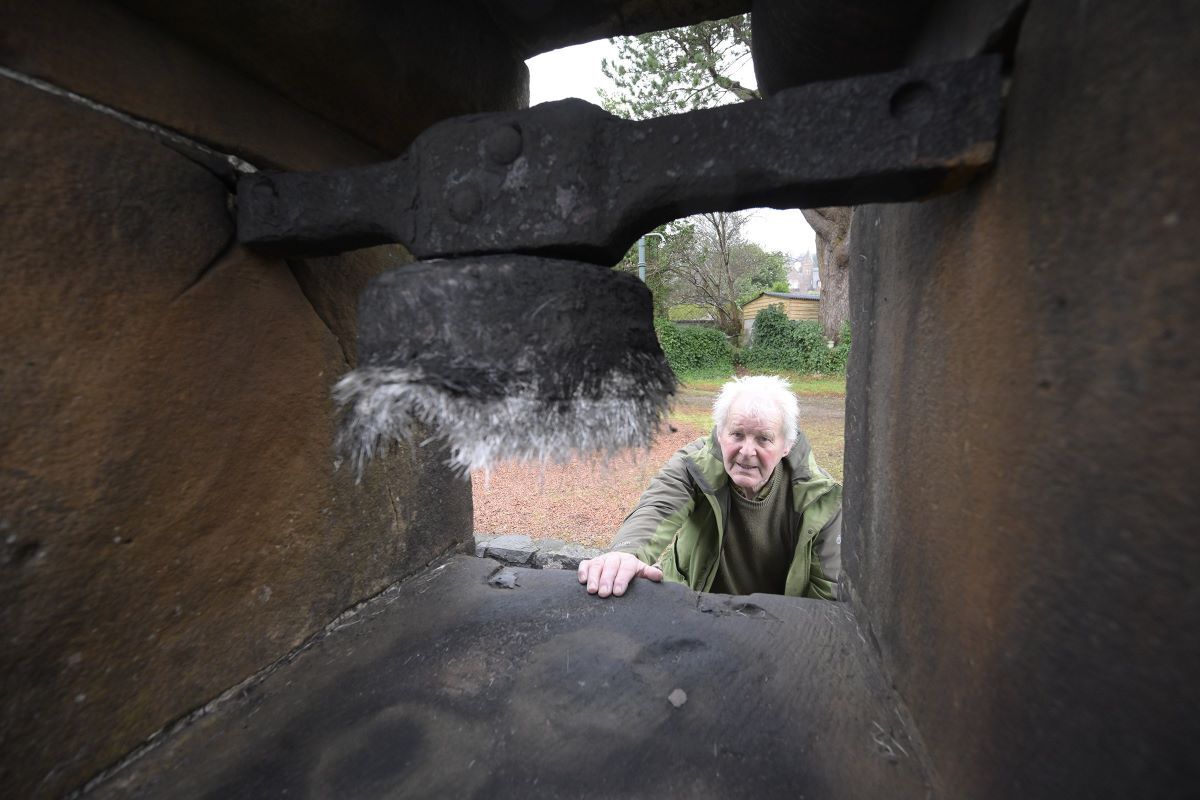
[{"x": 584, "y": 502}]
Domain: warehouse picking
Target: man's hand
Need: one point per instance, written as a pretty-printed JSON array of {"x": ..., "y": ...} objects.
[{"x": 611, "y": 573}]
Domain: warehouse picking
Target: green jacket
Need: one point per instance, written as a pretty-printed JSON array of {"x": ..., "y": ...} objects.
[{"x": 679, "y": 522}]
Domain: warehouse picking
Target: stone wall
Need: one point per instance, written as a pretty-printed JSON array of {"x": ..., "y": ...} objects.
[
  {"x": 172, "y": 517},
  {"x": 173, "y": 520},
  {"x": 1021, "y": 425},
  {"x": 1022, "y": 419}
]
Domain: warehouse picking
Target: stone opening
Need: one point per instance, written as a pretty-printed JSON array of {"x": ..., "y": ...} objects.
[{"x": 168, "y": 387}]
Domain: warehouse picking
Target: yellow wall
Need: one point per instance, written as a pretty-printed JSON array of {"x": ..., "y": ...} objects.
[{"x": 794, "y": 308}]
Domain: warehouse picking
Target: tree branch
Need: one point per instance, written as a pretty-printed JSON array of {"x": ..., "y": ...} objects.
[
  {"x": 829, "y": 223},
  {"x": 733, "y": 87}
]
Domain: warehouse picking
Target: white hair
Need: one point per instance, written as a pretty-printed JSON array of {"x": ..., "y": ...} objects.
[{"x": 764, "y": 394}]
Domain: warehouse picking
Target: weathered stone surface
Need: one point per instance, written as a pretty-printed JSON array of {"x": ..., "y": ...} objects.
[
  {"x": 449, "y": 687},
  {"x": 565, "y": 556},
  {"x": 819, "y": 40},
  {"x": 504, "y": 579},
  {"x": 1022, "y": 429},
  {"x": 113, "y": 56},
  {"x": 481, "y": 543},
  {"x": 540, "y": 26},
  {"x": 511, "y": 549},
  {"x": 173, "y": 519},
  {"x": 334, "y": 284},
  {"x": 399, "y": 66},
  {"x": 382, "y": 71},
  {"x": 537, "y": 553},
  {"x": 403, "y": 66},
  {"x": 1022, "y": 441}
]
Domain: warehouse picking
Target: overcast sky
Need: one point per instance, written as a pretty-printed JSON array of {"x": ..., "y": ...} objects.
[{"x": 575, "y": 72}]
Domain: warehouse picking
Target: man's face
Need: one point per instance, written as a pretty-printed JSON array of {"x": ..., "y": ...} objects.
[{"x": 751, "y": 446}]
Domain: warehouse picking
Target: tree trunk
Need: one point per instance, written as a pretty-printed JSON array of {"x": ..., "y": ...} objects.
[
  {"x": 726, "y": 227},
  {"x": 832, "y": 226}
]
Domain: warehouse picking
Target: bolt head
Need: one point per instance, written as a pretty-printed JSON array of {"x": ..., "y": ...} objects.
[
  {"x": 913, "y": 103},
  {"x": 503, "y": 145},
  {"x": 464, "y": 202},
  {"x": 264, "y": 189}
]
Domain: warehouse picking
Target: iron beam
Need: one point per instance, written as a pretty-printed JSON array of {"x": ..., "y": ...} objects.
[{"x": 566, "y": 179}]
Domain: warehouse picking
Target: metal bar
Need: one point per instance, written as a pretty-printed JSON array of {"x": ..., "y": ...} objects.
[{"x": 567, "y": 179}]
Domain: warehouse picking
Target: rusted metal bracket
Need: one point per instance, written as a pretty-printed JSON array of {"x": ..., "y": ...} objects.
[{"x": 567, "y": 179}]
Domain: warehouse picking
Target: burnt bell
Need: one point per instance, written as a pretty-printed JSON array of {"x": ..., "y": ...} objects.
[{"x": 505, "y": 357}]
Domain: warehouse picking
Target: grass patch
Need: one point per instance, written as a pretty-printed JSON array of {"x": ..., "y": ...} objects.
[
  {"x": 826, "y": 438},
  {"x": 688, "y": 311},
  {"x": 817, "y": 385},
  {"x": 710, "y": 382},
  {"x": 705, "y": 380},
  {"x": 687, "y": 416}
]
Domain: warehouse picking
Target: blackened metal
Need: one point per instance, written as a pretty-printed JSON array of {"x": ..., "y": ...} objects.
[
  {"x": 480, "y": 326},
  {"x": 322, "y": 213},
  {"x": 505, "y": 358},
  {"x": 584, "y": 184}
]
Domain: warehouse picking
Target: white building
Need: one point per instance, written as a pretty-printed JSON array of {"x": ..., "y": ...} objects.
[{"x": 802, "y": 275}]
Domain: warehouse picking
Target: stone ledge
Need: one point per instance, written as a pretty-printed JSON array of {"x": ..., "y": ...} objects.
[
  {"x": 463, "y": 684},
  {"x": 524, "y": 551}
]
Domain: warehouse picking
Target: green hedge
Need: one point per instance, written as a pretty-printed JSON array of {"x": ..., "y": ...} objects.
[
  {"x": 690, "y": 348},
  {"x": 794, "y": 345}
]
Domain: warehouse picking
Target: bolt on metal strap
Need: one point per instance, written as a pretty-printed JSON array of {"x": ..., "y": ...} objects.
[{"x": 567, "y": 179}]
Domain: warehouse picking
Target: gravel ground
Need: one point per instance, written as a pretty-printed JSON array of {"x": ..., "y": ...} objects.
[{"x": 585, "y": 501}]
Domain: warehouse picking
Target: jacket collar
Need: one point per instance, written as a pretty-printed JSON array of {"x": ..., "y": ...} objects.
[{"x": 797, "y": 458}]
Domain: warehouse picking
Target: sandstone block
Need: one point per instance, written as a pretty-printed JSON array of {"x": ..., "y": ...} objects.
[
  {"x": 173, "y": 517},
  {"x": 512, "y": 549}
]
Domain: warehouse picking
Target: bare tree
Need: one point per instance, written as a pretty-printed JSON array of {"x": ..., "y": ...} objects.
[
  {"x": 832, "y": 226},
  {"x": 705, "y": 268}
]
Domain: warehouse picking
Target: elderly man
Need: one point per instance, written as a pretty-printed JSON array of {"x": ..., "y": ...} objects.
[{"x": 744, "y": 510}]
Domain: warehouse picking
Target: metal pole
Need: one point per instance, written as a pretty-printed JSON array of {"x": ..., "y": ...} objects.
[{"x": 642, "y": 253}]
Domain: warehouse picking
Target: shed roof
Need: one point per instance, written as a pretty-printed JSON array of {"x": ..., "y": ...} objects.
[{"x": 785, "y": 296}]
